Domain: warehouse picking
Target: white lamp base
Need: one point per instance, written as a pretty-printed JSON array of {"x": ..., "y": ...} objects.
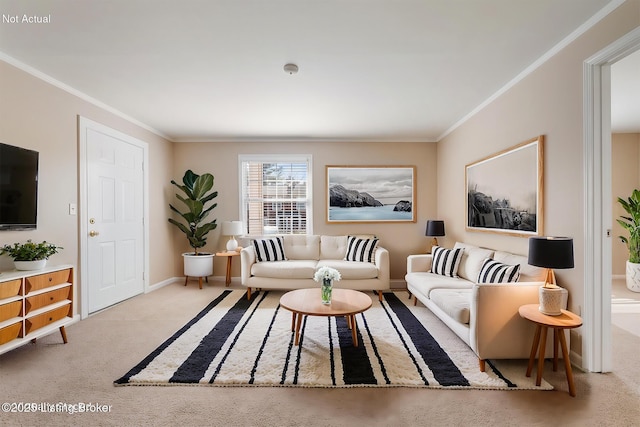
[
  {"x": 232, "y": 244},
  {"x": 551, "y": 300}
]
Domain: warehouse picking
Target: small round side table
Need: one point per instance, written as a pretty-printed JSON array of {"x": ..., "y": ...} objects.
[{"x": 566, "y": 320}]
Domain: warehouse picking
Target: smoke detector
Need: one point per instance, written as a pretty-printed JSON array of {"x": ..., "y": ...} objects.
[{"x": 290, "y": 68}]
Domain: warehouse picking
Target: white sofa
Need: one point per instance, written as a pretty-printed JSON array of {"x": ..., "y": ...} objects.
[
  {"x": 483, "y": 315},
  {"x": 305, "y": 254}
]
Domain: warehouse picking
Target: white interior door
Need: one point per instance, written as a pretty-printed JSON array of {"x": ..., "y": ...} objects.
[{"x": 114, "y": 229}]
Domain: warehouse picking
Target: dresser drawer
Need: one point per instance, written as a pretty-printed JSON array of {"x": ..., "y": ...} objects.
[
  {"x": 37, "y": 301},
  {"x": 10, "y": 288},
  {"x": 41, "y": 281},
  {"x": 10, "y": 310},
  {"x": 46, "y": 318},
  {"x": 10, "y": 333}
]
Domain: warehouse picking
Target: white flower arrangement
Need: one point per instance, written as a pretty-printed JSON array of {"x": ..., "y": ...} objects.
[{"x": 326, "y": 273}]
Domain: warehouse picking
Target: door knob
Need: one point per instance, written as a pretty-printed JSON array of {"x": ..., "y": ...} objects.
[{"x": 93, "y": 233}]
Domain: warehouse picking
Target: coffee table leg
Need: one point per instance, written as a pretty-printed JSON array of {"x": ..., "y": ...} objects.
[
  {"x": 354, "y": 329},
  {"x": 298, "y": 324},
  {"x": 293, "y": 321}
]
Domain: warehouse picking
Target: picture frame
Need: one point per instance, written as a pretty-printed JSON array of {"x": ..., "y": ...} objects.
[
  {"x": 356, "y": 194},
  {"x": 504, "y": 191}
]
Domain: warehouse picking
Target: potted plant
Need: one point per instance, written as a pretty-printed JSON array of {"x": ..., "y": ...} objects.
[
  {"x": 631, "y": 223},
  {"x": 197, "y": 190},
  {"x": 29, "y": 255}
]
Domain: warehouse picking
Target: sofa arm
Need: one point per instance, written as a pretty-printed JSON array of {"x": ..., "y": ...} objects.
[
  {"x": 247, "y": 259},
  {"x": 496, "y": 329},
  {"x": 381, "y": 259},
  {"x": 419, "y": 263}
]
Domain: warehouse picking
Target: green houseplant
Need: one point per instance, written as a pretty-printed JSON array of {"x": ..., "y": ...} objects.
[
  {"x": 30, "y": 255},
  {"x": 631, "y": 223},
  {"x": 198, "y": 192}
]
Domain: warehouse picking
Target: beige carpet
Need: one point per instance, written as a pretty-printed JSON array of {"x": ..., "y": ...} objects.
[{"x": 104, "y": 346}]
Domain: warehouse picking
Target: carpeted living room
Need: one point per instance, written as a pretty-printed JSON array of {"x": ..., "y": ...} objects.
[{"x": 346, "y": 153}]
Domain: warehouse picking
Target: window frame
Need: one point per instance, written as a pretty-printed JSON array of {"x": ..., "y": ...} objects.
[{"x": 275, "y": 158}]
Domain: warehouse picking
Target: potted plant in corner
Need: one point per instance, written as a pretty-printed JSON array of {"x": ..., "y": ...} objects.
[
  {"x": 631, "y": 223},
  {"x": 29, "y": 255},
  {"x": 197, "y": 189}
]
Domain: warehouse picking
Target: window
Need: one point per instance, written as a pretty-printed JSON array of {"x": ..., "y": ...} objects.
[{"x": 276, "y": 194}]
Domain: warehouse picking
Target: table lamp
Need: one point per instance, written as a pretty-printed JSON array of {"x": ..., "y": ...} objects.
[
  {"x": 232, "y": 228},
  {"x": 435, "y": 229},
  {"x": 550, "y": 253}
]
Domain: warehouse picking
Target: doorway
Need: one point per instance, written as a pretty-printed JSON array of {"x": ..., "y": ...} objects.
[
  {"x": 596, "y": 347},
  {"x": 113, "y": 236}
]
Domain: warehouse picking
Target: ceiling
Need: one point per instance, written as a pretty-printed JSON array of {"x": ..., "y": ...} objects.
[{"x": 372, "y": 70}]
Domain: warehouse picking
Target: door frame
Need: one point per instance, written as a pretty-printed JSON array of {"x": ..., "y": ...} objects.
[
  {"x": 85, "y": 124},
  {"x": 597, "y": 343}
]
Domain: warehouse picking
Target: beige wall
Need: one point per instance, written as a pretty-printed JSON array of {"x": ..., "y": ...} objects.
[
  {"x": 625, "y": 177},
  {"x": 39, "y": 116},
  {"x": 402, "y": 239},
  {"x": 547, "y": 102}
]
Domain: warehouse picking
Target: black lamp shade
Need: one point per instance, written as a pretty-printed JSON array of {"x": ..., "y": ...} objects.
[
  {"x": 435, "y": 228},
  {"x": 551, "y": 252}
]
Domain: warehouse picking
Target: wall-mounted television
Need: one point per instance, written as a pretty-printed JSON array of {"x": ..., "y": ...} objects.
[{"x": 18, "y": 188}]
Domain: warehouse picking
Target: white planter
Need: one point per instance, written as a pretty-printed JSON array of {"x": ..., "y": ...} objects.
[
  {"x": 633, "y": 276},
  {"x": 30, "y": 265},
  {"x": 200, "y": 265}
]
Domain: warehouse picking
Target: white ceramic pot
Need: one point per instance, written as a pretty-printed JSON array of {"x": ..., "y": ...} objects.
[
  {"x": 30, "y": 265},
  {"x": 200, "y": 265},
  {"x": 633, "y": 276}
]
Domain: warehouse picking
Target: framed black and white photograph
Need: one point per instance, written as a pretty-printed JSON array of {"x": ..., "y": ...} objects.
[
  {"x": 505, "y": 191},
  {"x": 371, "y": 193}
]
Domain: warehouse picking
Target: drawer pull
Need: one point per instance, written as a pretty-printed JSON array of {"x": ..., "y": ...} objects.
[
  {"x": 50, "y": 319},
  {"x": 50, "y": 279}
]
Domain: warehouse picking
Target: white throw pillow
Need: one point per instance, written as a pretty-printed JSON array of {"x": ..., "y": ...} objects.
[
  {"x": 271, "y": 249},
  {"x": 362, "y": 250},
  {"x": 446, "y": 261},
  {"x": 497, "y": 272}
]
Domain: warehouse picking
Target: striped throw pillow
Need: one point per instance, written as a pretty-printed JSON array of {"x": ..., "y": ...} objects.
[
  {"x": 446, "y": 261},
  {"x": 497, "y": 272},
  {"x": 362, "y": 250},
  {"x": 271, "y": 249}
]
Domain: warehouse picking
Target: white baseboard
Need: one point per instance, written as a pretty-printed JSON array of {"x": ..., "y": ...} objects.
[{"x": 162, "y": 284}]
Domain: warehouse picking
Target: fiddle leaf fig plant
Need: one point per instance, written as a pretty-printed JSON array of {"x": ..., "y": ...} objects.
[
  {"x": 197, "y": 189},
  {"x": 30, "y": 251},
  {"x": 631, "y": 223}
]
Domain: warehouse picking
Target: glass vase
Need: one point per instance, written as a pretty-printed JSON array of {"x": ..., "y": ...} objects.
[{"x": 327, "y": 286}]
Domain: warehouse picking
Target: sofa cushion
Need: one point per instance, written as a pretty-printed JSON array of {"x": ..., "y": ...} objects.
[
  {"x": 528, "y": 273},
  {"x": 270, "y": 249},
  {"x": 300, "y": 246},
  {"x": 446, "y": 261},
  {"x": 471, "y": 261},
  {"x": 361, "y": 250},
  {"x": 454, "y": 302},
  {"x": 292, "y": 269},
  {"x": 426, "y": 282},
  {"x": 496, "y": 272},
  {"x": 333, "y": 247},
  {"x": 351, "y": 269}
]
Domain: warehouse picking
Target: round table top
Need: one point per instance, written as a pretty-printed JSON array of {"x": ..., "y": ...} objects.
[
  {"x": 566, "y": 320},
  {"x": 343, "y": 302}
]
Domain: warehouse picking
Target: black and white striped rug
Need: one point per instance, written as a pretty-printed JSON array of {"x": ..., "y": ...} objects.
[{"x": 236, "y": 342}]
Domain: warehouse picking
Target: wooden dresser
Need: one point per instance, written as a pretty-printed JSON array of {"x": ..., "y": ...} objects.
[{"x": 34, "y": 304}]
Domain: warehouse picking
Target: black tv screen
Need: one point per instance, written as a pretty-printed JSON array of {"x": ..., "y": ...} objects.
[{"x": 18, "y": 188}]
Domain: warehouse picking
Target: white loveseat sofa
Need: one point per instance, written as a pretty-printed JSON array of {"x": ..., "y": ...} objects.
[
  {"x": 304, "y": 255},
  {"x": 483, "y": 315}
]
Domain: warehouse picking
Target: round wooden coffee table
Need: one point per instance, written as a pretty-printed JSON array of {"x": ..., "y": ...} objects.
[{"x": 307, "y": 302}]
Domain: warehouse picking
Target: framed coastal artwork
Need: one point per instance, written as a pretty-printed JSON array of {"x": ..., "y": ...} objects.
[
  {"x": 371, "y": 194},
  {"x": 505, "y": 191}
]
